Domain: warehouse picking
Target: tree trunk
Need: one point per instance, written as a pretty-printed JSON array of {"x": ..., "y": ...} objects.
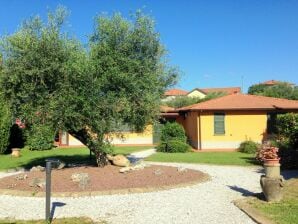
[{"x": 94, "y": 143}]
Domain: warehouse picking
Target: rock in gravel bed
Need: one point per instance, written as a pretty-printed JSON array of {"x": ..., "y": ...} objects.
[
  {"x": 37, "y": 168},
  {"x": 38, "y": 182}
]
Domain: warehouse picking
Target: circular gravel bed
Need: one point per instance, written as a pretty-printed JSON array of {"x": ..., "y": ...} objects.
[
  {"x": 210, "y": 202},
  {"x": 107, "y": 180}
]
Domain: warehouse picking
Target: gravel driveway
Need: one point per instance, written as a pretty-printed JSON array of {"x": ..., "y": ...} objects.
[{"x": 209, "y": 202}]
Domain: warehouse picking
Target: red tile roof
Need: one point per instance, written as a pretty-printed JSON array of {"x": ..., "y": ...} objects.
[
  {"x": 271, "y": 82},
  {"x": 227, "y": 90},
  {"x": 275, "y": 82},
  {"x": 175, "y": 92},
  {"x": 244, "y": 102}
]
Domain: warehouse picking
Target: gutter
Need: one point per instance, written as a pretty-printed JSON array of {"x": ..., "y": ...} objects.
[{"x": 200, "y": 131}]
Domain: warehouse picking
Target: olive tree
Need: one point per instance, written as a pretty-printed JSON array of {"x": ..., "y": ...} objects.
[{"x": 51, "y": 80}]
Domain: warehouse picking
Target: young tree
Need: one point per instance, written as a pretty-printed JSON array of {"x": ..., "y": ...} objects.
[
  {"x": 51, "y": 80},
  {"x": 280, "y": 90},
  {"x": 183, "y": 101}
]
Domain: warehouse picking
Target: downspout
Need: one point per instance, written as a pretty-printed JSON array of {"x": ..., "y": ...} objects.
[{"x": 200, "y": 133}]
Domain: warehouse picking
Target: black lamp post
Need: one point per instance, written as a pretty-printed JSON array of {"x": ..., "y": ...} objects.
[{"x": 49, "y": 163}]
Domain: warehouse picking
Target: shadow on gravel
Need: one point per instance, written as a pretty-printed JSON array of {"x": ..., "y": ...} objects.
[
  {"x": 54, "y": 206},
  {"x": 133, "y": 159},
  {"x": 244, "y": 192}
]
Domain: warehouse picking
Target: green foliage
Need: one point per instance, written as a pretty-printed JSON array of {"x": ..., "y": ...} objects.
[
  {"x": 173, "y": 146},
  {"x": 49, "y": 78},
  {"x": 172, "y": 131},
  {"x": 280, "y": 90},
  {"x": 250, "y": 147},
  {"x": 183, "y": 101},
  {"x": 5, "y": 124},
  {"x": 287, "y": 127},
  {"x": 173, "y": 139},
  {"x": 257, "y": 89},
  {"x": 40, "y": 137}
]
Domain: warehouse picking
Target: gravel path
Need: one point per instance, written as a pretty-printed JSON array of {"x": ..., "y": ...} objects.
[{"x": 209, "y": 202}]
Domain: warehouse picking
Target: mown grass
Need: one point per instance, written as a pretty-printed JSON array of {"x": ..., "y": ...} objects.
[
  {"x": 217, "y": 158},
  {"x": 284, "y": 212},
  {"x": 70, "y": 155}
]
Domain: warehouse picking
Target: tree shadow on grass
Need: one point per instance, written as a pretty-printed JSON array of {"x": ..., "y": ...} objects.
[
  {"x": 251, "y": 160},
  {"x": 73, "y": 160},
  {"x": 288, "y": 174}
]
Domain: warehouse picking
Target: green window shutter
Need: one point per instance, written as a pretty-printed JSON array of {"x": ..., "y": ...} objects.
[{"x": 219, "y": 123}]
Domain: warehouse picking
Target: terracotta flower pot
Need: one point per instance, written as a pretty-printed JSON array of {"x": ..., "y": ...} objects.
[{"x": 271, "y": 161}]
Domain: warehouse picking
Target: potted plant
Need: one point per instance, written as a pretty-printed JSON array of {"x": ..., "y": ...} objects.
[
  {"x": 272, "y": 181},
  {"x": 268, "y": 154}
]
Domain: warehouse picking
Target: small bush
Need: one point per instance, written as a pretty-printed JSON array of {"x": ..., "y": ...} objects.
[
  {"x": 249, "y": 147},
  {"x": 173, "y": 139},
  {"x": 173, "y": 146},
  {"x": 172, "y": 131},
  {"x": 40, "y": 137}
]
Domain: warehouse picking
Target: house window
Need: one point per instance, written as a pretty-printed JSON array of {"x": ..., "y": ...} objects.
[{"x": 219, "y": 123}]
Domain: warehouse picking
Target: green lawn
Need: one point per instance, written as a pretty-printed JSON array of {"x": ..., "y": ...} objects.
[
  {"x": 32, "y": 158},
  {"x": 218, "y": 158},
  {"x": 284, "y": 212}
]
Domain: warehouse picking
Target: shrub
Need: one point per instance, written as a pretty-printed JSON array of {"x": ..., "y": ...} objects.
[
  {"x": 172, "y": 131},
  {"x": 287, "y": 126},
  {"x": 173, "y": 139},
  {"x": 173, "y": 146},
  {"x": 5, "y": 124},
  {"x": 40, "y": 137},
  {"x": 250, "y": 147}
]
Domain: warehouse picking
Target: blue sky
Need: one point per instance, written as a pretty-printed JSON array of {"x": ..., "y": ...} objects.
[{"x": 214, "y": 43}]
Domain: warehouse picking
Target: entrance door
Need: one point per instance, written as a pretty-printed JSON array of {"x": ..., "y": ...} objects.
[{"x": 63, "y": 138}]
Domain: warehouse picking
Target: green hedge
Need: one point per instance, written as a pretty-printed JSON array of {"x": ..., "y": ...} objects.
[{"x": 5, "y": 124}]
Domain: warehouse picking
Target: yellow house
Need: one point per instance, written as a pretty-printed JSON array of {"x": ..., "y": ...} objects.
[
  {"x": 127, "y": 138},
  {"x": 225, "y": 122},
  {"x": 201, "y": 93}
]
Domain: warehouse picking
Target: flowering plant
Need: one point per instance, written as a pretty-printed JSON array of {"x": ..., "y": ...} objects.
[{"x": 266, "y": 152}]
